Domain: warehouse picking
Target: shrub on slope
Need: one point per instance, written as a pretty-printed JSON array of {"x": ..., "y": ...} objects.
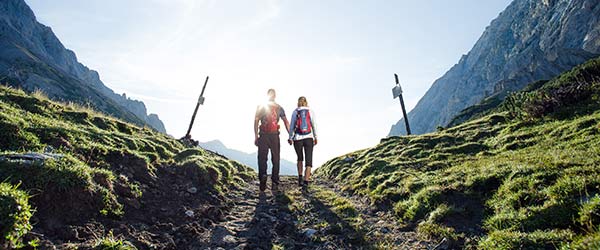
[
  {"x": 15, "y": 213},
  {"x": 574, "y": 91}
]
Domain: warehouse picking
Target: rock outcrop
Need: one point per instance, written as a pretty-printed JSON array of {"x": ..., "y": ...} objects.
[
  {"x": 32, "y": 57},
  {"x": 529, "y": 41}
]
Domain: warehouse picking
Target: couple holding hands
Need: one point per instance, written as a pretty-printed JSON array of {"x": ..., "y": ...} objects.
[{"x": 302, "y": 134}]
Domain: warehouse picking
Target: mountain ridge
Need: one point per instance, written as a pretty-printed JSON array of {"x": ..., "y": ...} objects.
[
  {"x": 529, "y": 41},
  {"x": 33, "y": 58}
]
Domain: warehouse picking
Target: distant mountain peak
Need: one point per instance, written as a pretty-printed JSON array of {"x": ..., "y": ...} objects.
[{"x": 216, "y": 143}]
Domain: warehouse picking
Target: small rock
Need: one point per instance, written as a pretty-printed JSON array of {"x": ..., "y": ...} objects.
[
  {"x": 443, "y": 245},
  {"x": 349, "y": 159},
  {"x": 30, "y": 158},
  {"x": 229, "y": 239},
  {"x": 310, "y": 232},
  {"x": 384, "y": 230},
  {"x": 189, "y": 213},
  {"x": 49, "y": 149},
  {"x": 192, "y": 190},
  {"x": 143, "y": 227},
  {"x": 241, "y": 246}
]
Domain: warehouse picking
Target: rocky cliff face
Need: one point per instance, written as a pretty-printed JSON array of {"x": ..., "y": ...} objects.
[
  {"x": 531, "y": 40},
  {"x": 32, "y": 57}
]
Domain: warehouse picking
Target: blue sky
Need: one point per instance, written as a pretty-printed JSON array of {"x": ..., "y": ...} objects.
[{"x": 340, "y": 54}]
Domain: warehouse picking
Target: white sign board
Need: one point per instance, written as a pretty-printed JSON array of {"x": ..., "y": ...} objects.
[{"x": 397, "y": 91}]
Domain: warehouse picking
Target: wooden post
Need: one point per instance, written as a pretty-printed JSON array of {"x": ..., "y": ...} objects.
[
  {"x": 200, "y": 102},
  {"x": 397, "y": 91}
]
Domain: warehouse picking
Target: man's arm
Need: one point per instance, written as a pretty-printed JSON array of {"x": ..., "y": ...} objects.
[
  {"x": 256, "y": 119},
  {"x": 285, "y": 121},
  {"x": 287, "y": 124}
]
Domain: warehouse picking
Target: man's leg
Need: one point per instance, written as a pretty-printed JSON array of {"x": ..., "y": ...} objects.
[
  {"x": 275, "y": 150},
  {"x": 263, "y": 150}
]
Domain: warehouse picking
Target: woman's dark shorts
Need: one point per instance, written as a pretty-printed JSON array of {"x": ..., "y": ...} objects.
[{"x": 305, "y": 145}]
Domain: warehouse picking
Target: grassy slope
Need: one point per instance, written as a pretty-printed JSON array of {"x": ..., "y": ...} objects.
[
  {"x": 106, "y": 161},
  {"x": 525, "y": 177}
]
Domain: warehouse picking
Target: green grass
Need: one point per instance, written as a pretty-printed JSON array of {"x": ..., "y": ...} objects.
[
  {"x": 15, "y": 213},
  {"x": 99, "y": 152},
  {"x": 110, "y": 242},
  {"x": 339, "y": 205},
  {"x": 520, "y": 181}
]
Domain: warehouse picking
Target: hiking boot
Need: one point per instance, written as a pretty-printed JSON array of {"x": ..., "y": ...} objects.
[
  {"x": 305, "y": 183},
  {"x": 263, "y": 186},
  {"x": 300, "y": 181},
  {"x": 275, "y": 187}
]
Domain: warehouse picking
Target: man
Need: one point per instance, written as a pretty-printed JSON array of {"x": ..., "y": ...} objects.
[{"x": 268, "y": 139}]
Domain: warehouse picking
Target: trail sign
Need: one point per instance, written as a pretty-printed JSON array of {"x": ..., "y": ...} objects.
[
  {"x": 200, "y": 102},
  {"x": 397, "y": 92}
]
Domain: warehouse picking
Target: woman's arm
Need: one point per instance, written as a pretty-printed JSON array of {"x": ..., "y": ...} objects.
[
  {"x": 292, "y": 130},
  {"x": 313, "y": 124}
]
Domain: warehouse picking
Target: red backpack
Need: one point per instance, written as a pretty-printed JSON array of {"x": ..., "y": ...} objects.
[
  {"x": 270, "y": 122},
  {"x": 303, "y": 124}
]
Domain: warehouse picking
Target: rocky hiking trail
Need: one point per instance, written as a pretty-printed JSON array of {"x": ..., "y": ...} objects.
[
  {"x": 177, "y": 215},
  {"x": 315, "y": 218}
]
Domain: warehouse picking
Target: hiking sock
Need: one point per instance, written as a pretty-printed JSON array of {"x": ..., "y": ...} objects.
[{"x": 300, "y": 180}]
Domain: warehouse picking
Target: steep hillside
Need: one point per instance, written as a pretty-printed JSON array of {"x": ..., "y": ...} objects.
[
  {"x": 32, "y": 57},
  {"x": 286, "y": 167},
  {"x": 529, "y": 41},
  {"x": 540, "y": 97},
  {"x": 525, "y": 178},
  {"x": 71, "y": 177}
]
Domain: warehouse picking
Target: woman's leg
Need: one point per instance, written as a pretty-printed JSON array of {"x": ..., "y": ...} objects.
[
  {"x": 307, "y": 173},
  {"x": 299, "y": 164},
  {"x": 308, "y": 151},
  {"x": 300, "y": 167}
]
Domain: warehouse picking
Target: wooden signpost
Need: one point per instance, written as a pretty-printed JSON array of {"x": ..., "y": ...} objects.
[
  {"x": 200, "y": 102},
  {"x": 397, "y": 91}
]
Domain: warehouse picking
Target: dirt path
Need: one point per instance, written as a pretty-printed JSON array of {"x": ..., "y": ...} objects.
[
  {"x": 316, "y": 218},
  {"x": 320, "y": 217}
]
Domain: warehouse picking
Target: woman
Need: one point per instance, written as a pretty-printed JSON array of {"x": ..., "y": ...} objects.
[{"x": 303, "y": 135}]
